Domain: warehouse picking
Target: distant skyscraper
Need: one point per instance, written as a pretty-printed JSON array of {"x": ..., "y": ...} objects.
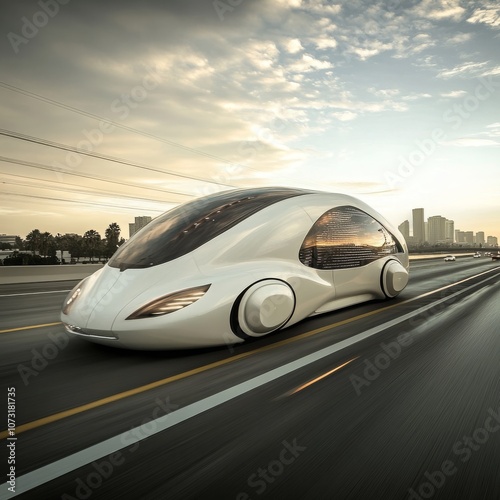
[
  {"x": 492, "y": 241},
  {"x": 469, "y": 237},
  {"x": 449, "y": 231},
  {"x": 437, "y": 229},
  {"x": 480, "y": 238},
  {"x": 418, "y": 225},
  {"x": 404, "y": 227},
  {"x": 459, "y": 236},
  {"x": 139, "y": 223}
]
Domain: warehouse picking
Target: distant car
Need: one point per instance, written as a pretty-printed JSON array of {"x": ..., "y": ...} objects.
[
  {"x": 476, "y": 255},
  {"x": 236, "y": 265},
  {"x": 449, "y": 258},
  {"x": 495, "y": 256}
]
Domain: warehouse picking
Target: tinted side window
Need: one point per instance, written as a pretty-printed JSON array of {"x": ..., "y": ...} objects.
[
  {"x": 188, "y": 226},
  {"x": 346, "y": 237}
]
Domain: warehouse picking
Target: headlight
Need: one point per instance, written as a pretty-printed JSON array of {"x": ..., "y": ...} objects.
[
  {"x": 170, "y": 303},
  {"x": 73, "y": 295}
]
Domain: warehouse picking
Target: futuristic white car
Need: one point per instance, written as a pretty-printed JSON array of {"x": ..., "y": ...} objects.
[
  {"x": 238, "y": 264},
  {"x": 449, "y": 258}
]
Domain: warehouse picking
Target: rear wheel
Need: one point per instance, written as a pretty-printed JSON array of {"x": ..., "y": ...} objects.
[
  {"x": 263, "y": 308},
  {"x": 394, "y": 278}
]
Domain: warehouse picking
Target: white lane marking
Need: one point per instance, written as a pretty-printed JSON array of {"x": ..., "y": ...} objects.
[
  {"x": 33, "y": 293},
  {"x": 81, "y": 458}
]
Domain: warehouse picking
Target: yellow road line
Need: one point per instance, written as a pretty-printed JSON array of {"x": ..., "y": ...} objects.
[
  {"x": 159, "y": 383},
  {"x": 29, "y": 327}
]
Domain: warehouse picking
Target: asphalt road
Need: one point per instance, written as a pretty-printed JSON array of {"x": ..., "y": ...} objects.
[{"x": 386, "y": 400}]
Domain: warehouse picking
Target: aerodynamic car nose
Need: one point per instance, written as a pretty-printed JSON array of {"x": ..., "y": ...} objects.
[
  {"x": 105, "y": 298},
  {"x": 93, "y": 305}
]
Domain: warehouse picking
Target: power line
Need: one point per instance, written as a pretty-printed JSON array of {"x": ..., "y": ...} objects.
[
  {"x": 57, "y": 145},
  {"x": 86, "y": 176},
  {"x": 79, "y": 191},
  {"x": 13, "y": 88},
  {"x": 51, "y": 198},
  {"x": 67, "y": 107}
]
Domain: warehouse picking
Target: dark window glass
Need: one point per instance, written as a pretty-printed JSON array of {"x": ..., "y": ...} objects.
[
  {"x": 346, "y": 237},
  {"x": 188, "y": 226}
]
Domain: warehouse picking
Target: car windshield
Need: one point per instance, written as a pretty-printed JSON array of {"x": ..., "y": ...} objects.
[{"x": 188, "y": 226}]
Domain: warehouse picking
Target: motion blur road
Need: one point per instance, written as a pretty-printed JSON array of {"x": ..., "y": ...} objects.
[{"x": 387, "y": 400}]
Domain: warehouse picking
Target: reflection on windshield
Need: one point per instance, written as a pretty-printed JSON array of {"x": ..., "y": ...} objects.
[
  {"x": 188, "y": 226},
  {"x": 346, "y": 237}
]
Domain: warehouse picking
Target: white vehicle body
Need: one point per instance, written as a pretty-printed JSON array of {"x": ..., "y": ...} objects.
[{"x": 305, "y": 254}]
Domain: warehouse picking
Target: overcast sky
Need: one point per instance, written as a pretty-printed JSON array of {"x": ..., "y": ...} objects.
[{"x": 395, "y": 102}]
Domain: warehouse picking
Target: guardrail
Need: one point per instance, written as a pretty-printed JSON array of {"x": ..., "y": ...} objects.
[{"x": 35, "y": 274}]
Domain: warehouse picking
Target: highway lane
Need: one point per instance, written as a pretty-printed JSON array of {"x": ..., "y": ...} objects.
[{"x": 81, "y": 373}]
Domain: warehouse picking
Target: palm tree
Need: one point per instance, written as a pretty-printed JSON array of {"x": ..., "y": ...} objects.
[
  {"x": 75, "y": 245},
  {"x": 112, "y": 239},
  {"x": 91, "y": 242},
  {"x": 33, "y": 241},
  {"x": 19, "y": 243},
  {"x": 46, "y": 241}
]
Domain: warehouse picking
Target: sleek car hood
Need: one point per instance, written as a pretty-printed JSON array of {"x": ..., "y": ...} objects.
[{"x": 107, "y": 292}]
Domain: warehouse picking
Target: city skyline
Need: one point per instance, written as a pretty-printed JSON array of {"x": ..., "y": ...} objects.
[
  {"x": 393, "y": 104},
  {"x": 439, "y": 229}
]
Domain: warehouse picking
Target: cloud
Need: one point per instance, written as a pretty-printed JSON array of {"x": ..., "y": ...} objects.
[
  {"x": 323, "y": 8},
  {"x": 325, "y": 43},
  {"x": 489, "y": 15},
  {"x": 471, "y": 142},
  {"x": 439, "y": 9},
  {"x": 345, "y": 116},
  {"x": 469, "y": 68},
  {"x": 293, "y": 46},
  {"x": 491, "y": 71},
  {"x": 416, "y": 96},
  {"x": 384, "y": 93},
  {"x": 308, "y": 63},
  {"x": 371, "y": 49},
  {"x": 454, "y": 94},
  {"x": 493, "y": 130}
]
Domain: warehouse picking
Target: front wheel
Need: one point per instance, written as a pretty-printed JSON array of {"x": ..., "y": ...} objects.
[{"x": 263, "y": 307}]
